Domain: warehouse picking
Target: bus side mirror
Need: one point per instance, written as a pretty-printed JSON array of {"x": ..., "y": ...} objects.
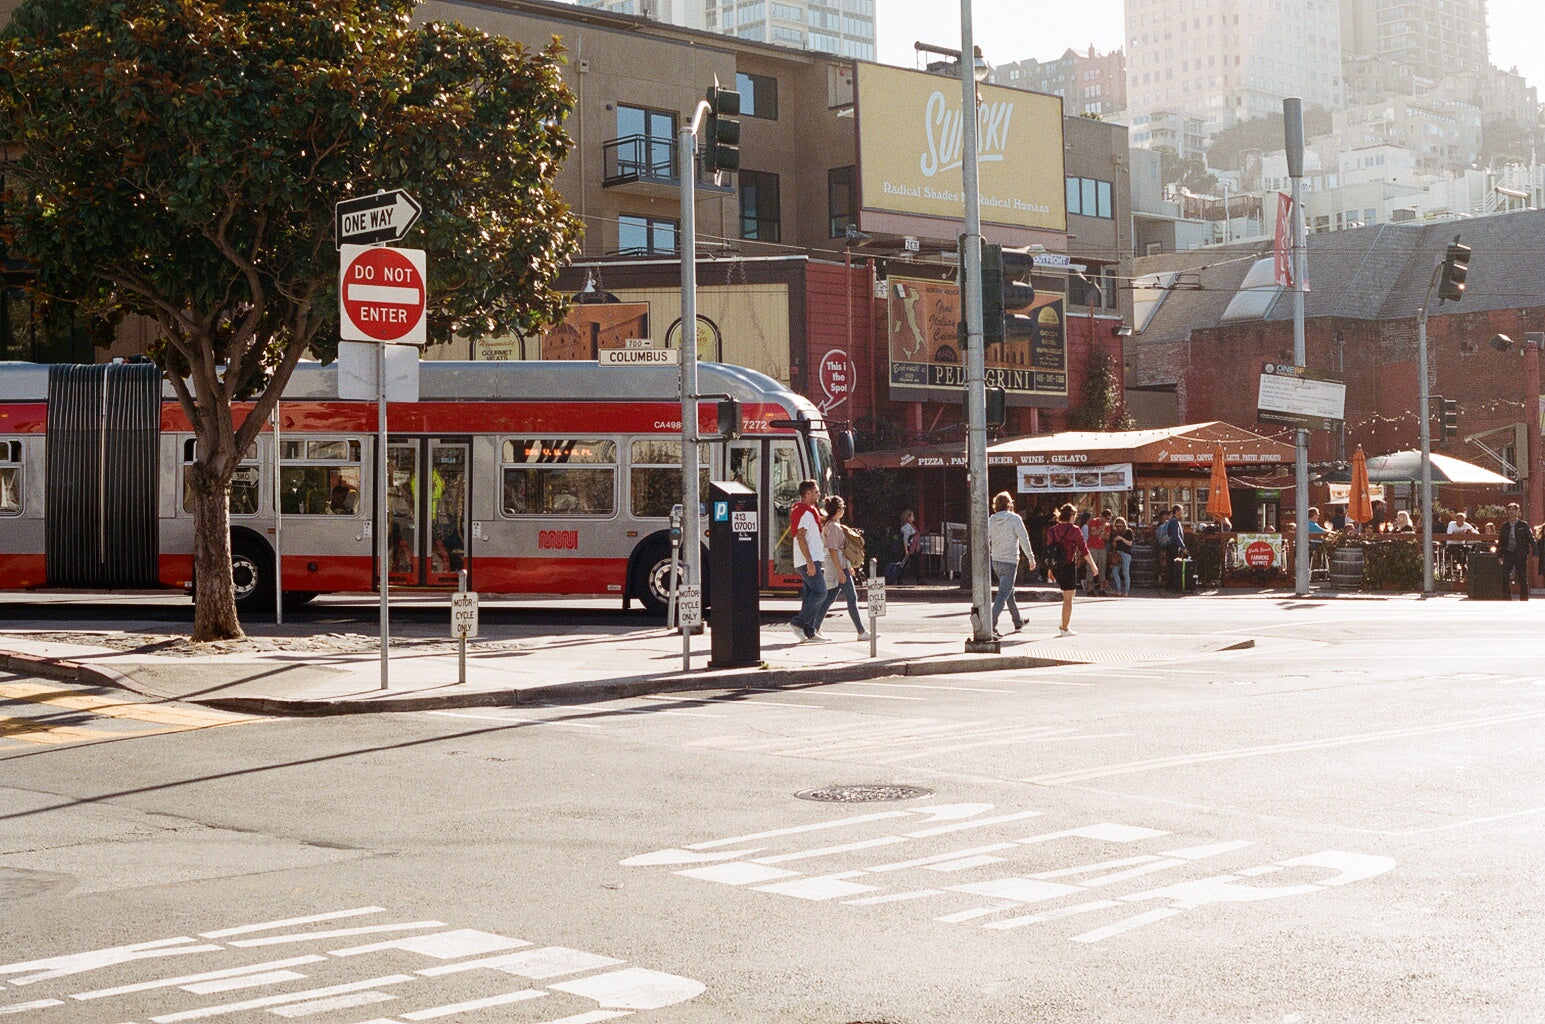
[{"x": 842, "y": 445}]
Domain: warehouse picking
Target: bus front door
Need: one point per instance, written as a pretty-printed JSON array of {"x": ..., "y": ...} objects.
[
  {"x": 427, "y": 494},
  {"x": 772, "y": 468}
]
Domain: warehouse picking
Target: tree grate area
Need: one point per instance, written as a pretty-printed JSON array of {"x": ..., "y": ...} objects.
[{"x": 863, "y": 794}]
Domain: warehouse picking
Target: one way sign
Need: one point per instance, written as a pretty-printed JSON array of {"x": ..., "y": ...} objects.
[{"x": 383, "y": 217}]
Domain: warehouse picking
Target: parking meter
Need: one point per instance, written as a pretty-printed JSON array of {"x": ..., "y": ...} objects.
[{"x": 734, "y": 548}]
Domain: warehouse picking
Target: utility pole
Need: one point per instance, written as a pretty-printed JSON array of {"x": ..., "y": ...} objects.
[{"x": 1293, "y": 127}]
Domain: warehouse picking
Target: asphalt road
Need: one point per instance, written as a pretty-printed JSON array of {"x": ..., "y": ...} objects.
[{"x": 1341, "y": 824}]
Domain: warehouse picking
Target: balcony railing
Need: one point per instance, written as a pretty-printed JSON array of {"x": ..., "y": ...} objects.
[{"x": 650, "y": 164}]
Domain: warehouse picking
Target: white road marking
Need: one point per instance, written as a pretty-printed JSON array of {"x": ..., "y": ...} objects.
[
  {"x": 1020, "y": 890},
  {"x": 188, "y": 979},
  {"x": 1266, "y": 750},
  {"x": 1051, "y": 915},
  {"x": 796, "y": 830},
  {"x": 895, "y": 897},
  {"x": 1106, "y": 832},
  {"x": 737, "y": 874},
  {"x": 634, "y": 988},
  {"x": 224, "y": 933},
  {"x": 962, "y": 826},
  {"x": 965, "y": 863},
  {"x": 902, "y": 865},
  {"x": 474, "y": 1004},
  {"x": 78, "y": 963},
  {"x": 827, "y": 851},
  {"x": 442, "y": 945},
  {"x": 593, "y": 1017},
  {"x": 204, "y": 988},
  {"x": 1100, "y": 934},
  {"x": 822, "y": 887},
  {"x": 291, "y": 997},
  {"x": 336, "y": 933},
  {"x": 36, "y": 1004},
  {"x": 552, "y": 961},
  {"x": 335, "y": 1003}
]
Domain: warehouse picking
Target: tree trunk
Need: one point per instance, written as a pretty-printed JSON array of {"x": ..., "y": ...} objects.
[{"x": 214, "y": 604}]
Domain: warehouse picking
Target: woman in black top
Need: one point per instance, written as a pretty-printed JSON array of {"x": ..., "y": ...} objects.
[
  {"x": 1122, "y": 539},
  {"x": 1067, "y": 550}
]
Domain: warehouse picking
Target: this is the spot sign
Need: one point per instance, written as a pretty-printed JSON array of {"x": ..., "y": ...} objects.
[{"x": 381, "y": 294}]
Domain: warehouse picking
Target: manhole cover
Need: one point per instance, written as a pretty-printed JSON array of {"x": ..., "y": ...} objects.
[{"x": 863, "y": 794}]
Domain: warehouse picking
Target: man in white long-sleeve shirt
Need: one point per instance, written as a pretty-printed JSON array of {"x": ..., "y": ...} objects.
[{"x": 1006, "y": 538}]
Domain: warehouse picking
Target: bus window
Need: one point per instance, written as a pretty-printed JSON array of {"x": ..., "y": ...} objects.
[
  {"x": 244, "y": 481},
  {"x": 654, "y": 479},
  {"x": 746, "y": 464},
  {"x": 559, "y": 476},
  {"x": 10, "y": 478},
  {"x": 319, "y": 478},
  {"x": 786, "y": 475},
  {"x": 821, "y": 459}
]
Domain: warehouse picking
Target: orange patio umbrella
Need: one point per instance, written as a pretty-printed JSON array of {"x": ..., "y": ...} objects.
[
  {"x": 1359, "y": 504},
  {"x": 1218, "y": 504}
]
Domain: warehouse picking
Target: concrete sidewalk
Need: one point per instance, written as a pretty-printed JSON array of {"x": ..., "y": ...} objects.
[{"x": 295, "y": 670}]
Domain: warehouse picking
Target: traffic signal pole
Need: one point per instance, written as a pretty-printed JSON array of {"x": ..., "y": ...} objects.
[{"x": 976, "y": 364}]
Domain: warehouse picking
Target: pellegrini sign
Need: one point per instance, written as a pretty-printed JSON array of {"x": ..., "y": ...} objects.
[{"x": 910, "y": 132}]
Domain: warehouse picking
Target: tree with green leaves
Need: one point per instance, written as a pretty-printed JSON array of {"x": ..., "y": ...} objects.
[
  {"x": 1101, "y": 407},
  {"x": 178, "y": 160}
]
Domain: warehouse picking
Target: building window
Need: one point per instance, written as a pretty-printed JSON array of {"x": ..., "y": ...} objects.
[
  {"x": 1090, "y": 197},
  {"x": 653, "y": 133},
  {"x": 758, "y": 95},
  {"x": 759, "y": 206},
  {"x": 841, "y": 200},
  {"x": 645, "y": 236}
]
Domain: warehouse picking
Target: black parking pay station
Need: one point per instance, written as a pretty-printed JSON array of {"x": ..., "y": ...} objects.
[{"x": 734, "y": 546}]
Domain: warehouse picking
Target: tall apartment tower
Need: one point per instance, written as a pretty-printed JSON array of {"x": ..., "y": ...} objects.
[
  {"x": 1227, "y": 61},
  {"x": 841, "y": 27},
  {"x": 1433, "y": 37},
  {"x": 687, "y": 13}
]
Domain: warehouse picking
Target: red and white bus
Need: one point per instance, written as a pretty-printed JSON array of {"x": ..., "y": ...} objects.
[{"x": 536, "y": 477}]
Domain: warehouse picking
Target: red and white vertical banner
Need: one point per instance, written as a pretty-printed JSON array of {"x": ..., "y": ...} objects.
[{"x": 1282, "y": 248}]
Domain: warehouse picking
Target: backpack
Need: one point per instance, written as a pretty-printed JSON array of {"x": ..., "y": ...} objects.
[
  {"x": 852, "y": 546},
  {"x": 1056, "y": 551}
]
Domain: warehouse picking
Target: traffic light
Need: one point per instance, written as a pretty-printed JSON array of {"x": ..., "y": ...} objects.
[
  {"x": 1449, "y": 418},
  {"x": 1456, "y": 264},
  {"x": 729, "y": 419},
  {"x": 721, "y": 131},
  {"x": 997, "y": 407},
  {"x": 992, "y": 294},
  {"x": 1018, "y": 293}
]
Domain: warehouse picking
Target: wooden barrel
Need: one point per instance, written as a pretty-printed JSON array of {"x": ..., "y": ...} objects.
[
  {"x": 1346, "y": 567},
  {"x": 1145, "y": 565}
]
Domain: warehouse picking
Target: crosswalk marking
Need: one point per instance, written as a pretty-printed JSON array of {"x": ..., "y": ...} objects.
[{"x": 113, "y": 707}]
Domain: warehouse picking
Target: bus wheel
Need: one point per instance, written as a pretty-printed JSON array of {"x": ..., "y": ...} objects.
[
  {"x": 652, "y": 579},
  {"x": 252, "y": 570}
]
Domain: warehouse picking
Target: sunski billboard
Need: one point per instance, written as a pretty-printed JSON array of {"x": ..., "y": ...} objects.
[{"x": 911, "y": 143}]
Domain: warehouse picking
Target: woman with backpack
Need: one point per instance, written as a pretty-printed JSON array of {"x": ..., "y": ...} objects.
[
  {"x": 1066, "y": 551},
  {"x": 839, "y": 571}
]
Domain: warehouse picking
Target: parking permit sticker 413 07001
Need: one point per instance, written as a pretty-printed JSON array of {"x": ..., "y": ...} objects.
[{"x": 966, "y": 864}]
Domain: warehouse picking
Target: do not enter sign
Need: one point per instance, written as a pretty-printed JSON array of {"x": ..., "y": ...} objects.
[{"x": 381, "y": 294}]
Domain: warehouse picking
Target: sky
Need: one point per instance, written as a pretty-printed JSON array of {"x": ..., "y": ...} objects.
[{"x": 1014, "y": 30}]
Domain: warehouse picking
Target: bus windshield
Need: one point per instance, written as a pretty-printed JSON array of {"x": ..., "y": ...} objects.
[{"x": 822, "y": 463}]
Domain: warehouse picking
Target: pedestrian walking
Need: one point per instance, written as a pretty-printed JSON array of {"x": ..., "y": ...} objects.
[
  {"x": 1066, "y": 551},
  {"x": 1006, "y": 538},
  {"x": 1514, "y": 542},
  {"x": 805, "y": 525},
  {"x": 839, "y": 572},
  {"x": 1122, "y": 539},
  {"x": 911, "y": 548}
]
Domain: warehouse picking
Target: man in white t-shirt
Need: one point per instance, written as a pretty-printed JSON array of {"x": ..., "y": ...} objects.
[
  {"x": 1459, "y": 525},
  {"x": 809, "y": 552}
]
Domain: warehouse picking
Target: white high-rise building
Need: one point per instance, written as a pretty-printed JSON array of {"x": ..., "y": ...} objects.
[
  {"x": 841, "y": 27},
  {"x": 1227, "y": 61}
]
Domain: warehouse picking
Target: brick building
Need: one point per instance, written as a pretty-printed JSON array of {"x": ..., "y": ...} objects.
[{"x": 1207, "y": 322}]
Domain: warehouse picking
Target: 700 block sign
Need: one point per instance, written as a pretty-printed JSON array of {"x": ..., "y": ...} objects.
[{"x": 382, "y": 294}]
